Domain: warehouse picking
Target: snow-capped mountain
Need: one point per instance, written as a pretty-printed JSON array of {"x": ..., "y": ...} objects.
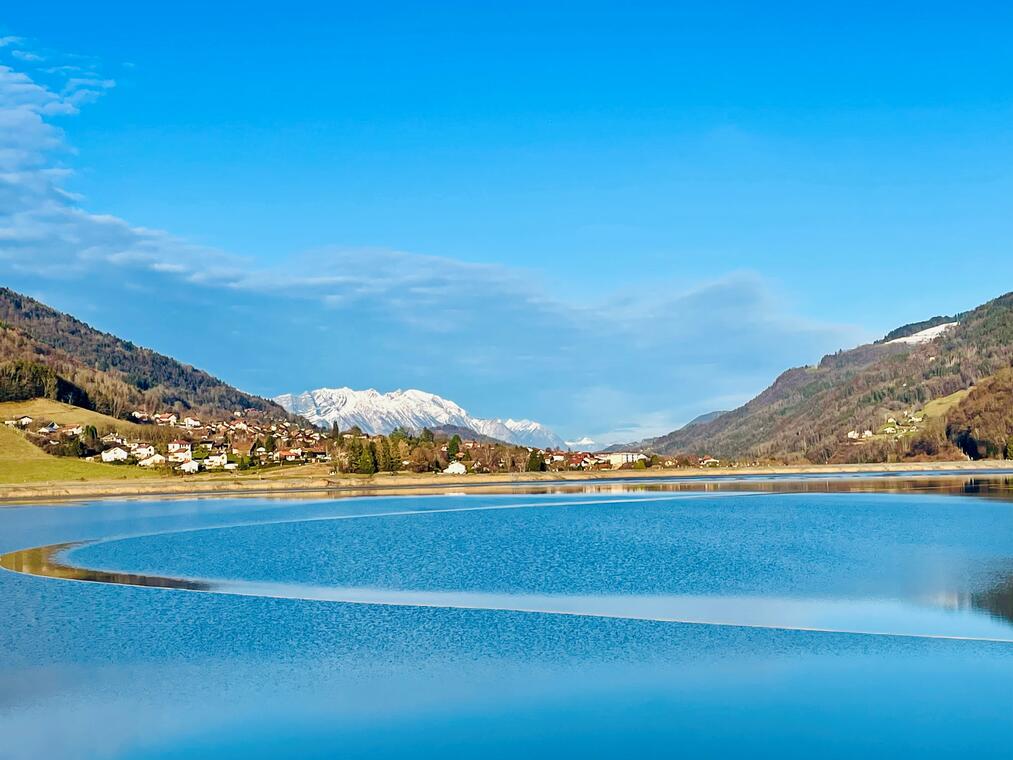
[
  {"x": 380, "y": 413},
  {"x": 521, "y": 432}
]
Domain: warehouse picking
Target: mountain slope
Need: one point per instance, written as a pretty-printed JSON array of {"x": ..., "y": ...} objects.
[
  {"x": 380, "y": 413},
  {"x": 807, "y": 412},
  {"x": 97, "y": 370}
]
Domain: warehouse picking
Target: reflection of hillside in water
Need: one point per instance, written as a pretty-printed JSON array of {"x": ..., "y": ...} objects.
[
  {"x": 995, "y": 487},
  {"x": 997, "y": 601},
  {"x": 44, "y": 561}
]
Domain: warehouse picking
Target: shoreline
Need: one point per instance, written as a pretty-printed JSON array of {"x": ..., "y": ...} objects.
[{"x": 310, "y": 478}]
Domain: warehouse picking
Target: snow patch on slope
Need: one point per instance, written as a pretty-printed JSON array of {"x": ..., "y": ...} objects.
[{"x": 924, "y": 336}]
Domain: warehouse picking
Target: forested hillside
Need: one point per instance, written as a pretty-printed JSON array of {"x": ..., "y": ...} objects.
[
  {"x": 45, "y": 353},
  {"x": 982, "y": 424},
  {"x": 808, "y": 412}
]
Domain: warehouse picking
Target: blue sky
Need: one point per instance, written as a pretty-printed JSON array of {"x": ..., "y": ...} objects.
[{"x": 606, "y": 216}]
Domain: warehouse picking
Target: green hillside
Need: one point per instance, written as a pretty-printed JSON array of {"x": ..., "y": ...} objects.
[
  {"x": 45, "y": 353},
  {"x": 22, "y": 462},
  {"x": 44, "y": 409},
  {"x": 807, "y": 413}
]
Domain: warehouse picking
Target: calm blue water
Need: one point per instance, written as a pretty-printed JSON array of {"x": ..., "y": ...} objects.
[{"x": 96, "y": 670}]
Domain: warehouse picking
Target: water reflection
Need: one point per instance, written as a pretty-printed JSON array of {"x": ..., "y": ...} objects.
[
  {"x": 948, "y": 612},
  {"x": 953, "y": 482},
  {"x": 45, "y": 561},
  {"x": 997, "y": 600}
]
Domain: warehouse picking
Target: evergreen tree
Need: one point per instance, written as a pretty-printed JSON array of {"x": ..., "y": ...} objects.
[
  {"x": 454, "y": 446},
  {"x": 387, "y": 461},
  {"x": 354, "y": 454},
  {"x": 366, "y": 463},
  {"x": 536, "y": 462},
  {"x": 90, "y": 438}
]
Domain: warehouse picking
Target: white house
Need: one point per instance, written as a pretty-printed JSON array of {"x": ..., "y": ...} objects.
[
  {"x": 180, "y": 451},
  {"x": 142, "y": 450},
  {"x": 190, "y": 467},
  {"x": 115, "y": 454},
  {"x": 24, "y": 421},
  {"x": 456, "y": 468},
  {"x": 191, "y": 422},
  {"x": 155, "y": 460},
  {"x": 618, "y": 458},
  {"x": 215, "y": 460}
]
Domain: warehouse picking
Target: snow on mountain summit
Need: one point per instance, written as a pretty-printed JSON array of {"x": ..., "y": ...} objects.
[{"x": 380, "y": 413}]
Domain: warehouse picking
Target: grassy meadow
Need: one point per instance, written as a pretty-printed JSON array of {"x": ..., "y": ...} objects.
[
  {"x": 22, "y": 462},
  {"x": 44, "y": 409}
]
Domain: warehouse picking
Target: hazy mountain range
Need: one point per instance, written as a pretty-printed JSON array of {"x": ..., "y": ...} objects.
[{"x": 380, "y": 413}]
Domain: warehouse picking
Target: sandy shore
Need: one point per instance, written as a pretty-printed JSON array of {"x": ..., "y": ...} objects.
[{"x": 315, "y": 478}]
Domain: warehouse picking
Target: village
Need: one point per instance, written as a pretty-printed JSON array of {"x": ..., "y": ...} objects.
[
  {"x": 188, "y": 445},
  {"x": 184, "y": 444}
]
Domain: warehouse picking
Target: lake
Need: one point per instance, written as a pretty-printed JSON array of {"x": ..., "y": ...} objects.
[{"x": 765, "y": 616}]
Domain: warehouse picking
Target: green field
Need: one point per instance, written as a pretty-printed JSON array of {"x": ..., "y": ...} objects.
[
  {"x": 40, "y": 409},
  {"x": 940, "y": 406},
  {"x": 22, "y": 462}
]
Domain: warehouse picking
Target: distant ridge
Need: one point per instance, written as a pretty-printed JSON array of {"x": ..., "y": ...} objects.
[
  {"x": 645, "y": 444},
  {"x": 704, "y": 418}
]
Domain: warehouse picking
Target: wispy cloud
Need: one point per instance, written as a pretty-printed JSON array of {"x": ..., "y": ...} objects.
[
  {"x": 28, "y": 57},
  {"x": 495, "y": 338}
]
